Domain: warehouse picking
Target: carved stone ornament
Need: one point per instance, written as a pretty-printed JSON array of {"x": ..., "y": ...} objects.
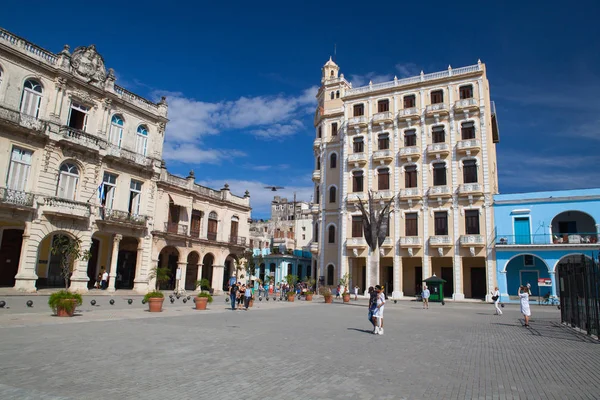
[{"x": 88, "y": 64}]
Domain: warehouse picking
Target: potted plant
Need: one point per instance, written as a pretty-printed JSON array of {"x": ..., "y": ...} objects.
[
  {"x": 291, "y": 281},
  {"x": 204, "y": 297},
  {"x": 155, "y": 298},
  {"x": 326, "y": 293},
  {"x": 63, "y": 303},
  {"x": 310, "y": 282},
  {"x": 344, "y": 283}
]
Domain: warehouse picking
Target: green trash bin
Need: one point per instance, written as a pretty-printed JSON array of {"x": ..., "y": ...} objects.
[{"x": 436, "y": 289}]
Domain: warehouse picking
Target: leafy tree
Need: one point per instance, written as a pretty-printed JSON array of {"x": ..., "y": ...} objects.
[
  {"x": 161, "y": 275},
  {"x": 69, "y": 250}
]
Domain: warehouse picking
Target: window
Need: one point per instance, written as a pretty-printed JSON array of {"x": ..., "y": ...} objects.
[
  {"x": 383, "y": 105},
  {"x": 359, "y": 110},
  {"x": 357, "y": 181},
  {"x": 470, "y": 171},
  {"x": 303, "y": 236},
  {"x": 213, "y": 225},
  {"x": 332, "y": 95},
  {"x": 466, "y": 92},
  {"x": 437, "y": 96},
  {"x": 441, "y": 223},
  {"x": 472, "y": 222},
  {"x": 107, "y": 192},
  {"x": 528, "y": 260},
  {"x": 411, "y": 227},
  {"x": 332, "y": 194},
  {"x": 233, "y": 229},
  {"x": 383, "y": 178},
  {"x": 386, "y": 226},
  {"x": 439, "y": 174},
  {"x": 316, "y": 233},
  {"x": 438, "y": 134},
  {"x": 116, "y": 130},
  {"x": 384, "y": 141},
  {"x": 31, "y": 98},
  {"x": 196, "y": 222},
  {"x": 467, "y": 130},
  {"x": 410, "y": 138},
  {"x": 317, "y": 194},
  {"x": 357, "y": 226},
  {"x": 331, "y": 234},
  {"x": 410, "y": 176},
  {"x": 333, "y": 161},
  {"x": 67, "y": 181},
  {"x": 319, "y": 133},
  {"x": 359, "y": 145},
  {"x": 141, "y": 142},
  {"x": 318, "y": 165},
  {"x": 334, "y": 129},
  {"x": 337, "y": 94},
  {"x": 135, "y": 195},
  {"x": 78, "y": 115},
  {"x": 18, "y": 172},
  {"x": 409, "y": 101}
]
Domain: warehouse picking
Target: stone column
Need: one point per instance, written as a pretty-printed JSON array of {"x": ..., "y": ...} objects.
[
  {"x": 217, "y": 278},
  {"x": 182, "y": 265},
  {"x": 199, "y": 275},
  {"x": 397, "y": 286},
  {"x": 139, "y": 285},
  {"x": 112, "y": 277},
  {"x": 26, "y": 276},
  {"x": 79, "y": 278}
]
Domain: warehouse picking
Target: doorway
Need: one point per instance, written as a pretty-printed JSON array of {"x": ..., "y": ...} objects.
[
  {"x": 125, "y": 269},
  {"x": 448, "y": 276},
  {"x": 478, "y": 283},
  {"x": 418, "y": 280},
  {"x": 93, "y": 263},
  {"x": 10, "y": 252}
]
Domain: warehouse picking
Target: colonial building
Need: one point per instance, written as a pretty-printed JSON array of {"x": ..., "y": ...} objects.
[
  {"x": 81, "y": 157},
  {"x": 427, "y": 141},
  {"x": 538, "y": 233}
]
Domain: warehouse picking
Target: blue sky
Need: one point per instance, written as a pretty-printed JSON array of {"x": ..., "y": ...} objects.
[{"x": 241, "y": 77}]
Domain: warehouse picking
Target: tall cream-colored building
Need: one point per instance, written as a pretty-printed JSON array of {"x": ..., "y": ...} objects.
[
  {"x": 429, "y": 141},
  {"x": 81, "y": 156}
]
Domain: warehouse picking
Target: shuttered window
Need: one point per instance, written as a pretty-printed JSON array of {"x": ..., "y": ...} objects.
[
  {"x": 141, "y": 143},
  {"x": 357, "y": 226},
  {"x": 410, "y": 176},
  {"x": 135, "y": 195},
  {"x": 472, "y": 222},
  {"x": 383, "y": 179},
  {"x": 32, "y": 98},
  {"x": 20, "y": 164},
  {"x": 67, "y": 181},
  {"x": 411, "y": 227},
  {"x": 441, "y": 223}
]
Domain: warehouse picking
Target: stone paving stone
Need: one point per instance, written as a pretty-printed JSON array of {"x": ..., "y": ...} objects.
[{"x": 299, "y": 350}]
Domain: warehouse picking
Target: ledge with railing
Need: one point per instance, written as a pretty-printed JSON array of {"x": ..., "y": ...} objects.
[
  {"x": 408, "y": 241},
  {"x": 546, "y": 239},
  {"x": 66, "y": 207},
  {"x": 16, "y": 198},
  {"x": 82, "y": 138},
  {"x": 237, "y": 240},
  {"x": 124, "y": 217},
  {"x": 128, "y": 155},
  {"x": 23, "y": 120},
  {"x": 134, "y": 98},
  {"x": 32, "y": 50},
  {"x": 176, "y": 228},
  {"x": 436, "y": 108}
]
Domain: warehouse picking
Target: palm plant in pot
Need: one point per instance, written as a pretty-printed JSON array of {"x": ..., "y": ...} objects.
[
  {"x": 291, "y": 281},
  {"x": 310, "y": 282},
  {"x": 156, "y": 298},
  {"x": 64, "y": 302},
  {"x": 203, "y": 298},
  {"x": 344, "y": 283}
]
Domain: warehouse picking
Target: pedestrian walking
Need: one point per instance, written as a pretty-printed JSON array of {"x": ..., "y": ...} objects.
[
  {"x": 496, "y": 300},
  {"x": 261, "y": 289},
  {"x": 426, "y": 295},
  {"x": 356, "y": 288},
  {"x": 104, "y": 279},
  {"x": 232, "y": 295},
  {"x": 337, "y": 292},
  {"x": 378, "y": 310},
  {"x": 240, "y": 295},
  {"x": 372, "y": 305},
  {"x": 525, "y": 310},
  {"x": 247, "y": 297}
]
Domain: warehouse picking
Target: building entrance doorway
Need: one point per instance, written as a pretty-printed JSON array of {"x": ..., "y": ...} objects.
[
  {"x": 478, "y": 283},
  {"x": 448, "y": 276},
  {"x": 10, "y": 252},
  {"x": 92, "y": 264}
]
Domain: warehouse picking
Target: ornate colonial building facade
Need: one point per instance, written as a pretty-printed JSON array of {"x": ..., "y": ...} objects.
[
  {"x": 427, "y": 141},
  {"x": 81, "y": 157}
]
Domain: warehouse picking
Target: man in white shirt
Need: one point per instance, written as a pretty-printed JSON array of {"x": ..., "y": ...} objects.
[
  {"x": 378, "y": 311},
  {"x": 104, "y": 280},
  {"x": 426, "y": 295}
]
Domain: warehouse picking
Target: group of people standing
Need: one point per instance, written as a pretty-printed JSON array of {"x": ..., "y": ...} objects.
[
  {"x": 524, "y": 292},
  {"x": 376, "y": 305},
  {"x": 241, "y": 295}
]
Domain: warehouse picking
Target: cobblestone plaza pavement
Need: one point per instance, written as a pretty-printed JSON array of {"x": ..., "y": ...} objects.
[{"x": 294, "y": 351}]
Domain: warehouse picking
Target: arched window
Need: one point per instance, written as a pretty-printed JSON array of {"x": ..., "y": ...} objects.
[
  {"x": 332, "y": 95},
  {"x": 233, "y": 231},
  {"x": 330, "y": 274},
  {"x": 333, "y": 161},
  {"x": 317, "y": 195},
  {"x": 116, "y": 130},
  {"x": 141, "y": 140},
  {"x": 316, "y": 233},
  {"x": 331, "y": 74},
  {"x": 32, "y": 98},
  {"x": 337, "y": 94},
  {"x": 332, "y": 195},
  {"x": 213, "y": 225},
  {"x": 331, "y": 234},
  {"x": 67, "y": 181},
  {"x": 318, "y": 162}
]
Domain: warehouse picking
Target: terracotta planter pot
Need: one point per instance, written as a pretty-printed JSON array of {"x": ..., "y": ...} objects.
[
  {"x": 291, "y": 297},
  {"x": 201, "y": 303},
  {"x": 155, "y": 304},
  {"x": 346, "y": 298},
  {"x": 62, "y": 312},
  {"x": 309, "y": 297},
  {"x": 329, "y": 299}
]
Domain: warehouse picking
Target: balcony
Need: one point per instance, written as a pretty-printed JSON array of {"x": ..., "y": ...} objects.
[
  {"x": 16, "y": 199},
  {"x": 81, "y": 139},
  {"x": 411, "y": 241},
  {"x": 357, "y": 158},
  {"x": 354, "y": 197},
  {"x": 314, "y": 209},
  {"x": 438, "y": 109},
  {"x": 440, "y": 241},
  {"x": 66, "y": 208},
  {"x": 383, "y": 155},
  {"x": 316, "y": 175},
  {"x": 317, "y": 142},
  {"x": 383, "y": 118},
  {"x": 410, "y": 193},
  {"x": 356, "y": 242},
  {"x": 466, "y": 105},
  {"x": 440, "y": 191},
  {"x": 237, "y": 240},
  {"x": 128, "y": 156},
  {"x": 472, "y": 240},
  {"x": 408, "y": 113},
  {"x": 117, "y": 217},
  {"x": 314, "y": 247},
  {"x": 468, "y": 145},
  {"x": 387, "y": 242},
  {"x": 15, "y": 118},
  {"x": 410, "y": 152},
  {"x": 212, "y": 236},
  {"x": 546, "y": 239},
  {"x": 438, "y": 148},
  {"x": 470, "y": 189},
  {"x": 383, "y": 194},
  {"x": 358, "y": 121},
  {"x": 176, "y": 228}
]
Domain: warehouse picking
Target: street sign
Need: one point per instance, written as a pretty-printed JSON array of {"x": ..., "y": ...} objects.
[{"x": 544, "y": 282}]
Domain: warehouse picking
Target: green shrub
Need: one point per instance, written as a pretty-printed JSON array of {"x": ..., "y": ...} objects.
[
  {"x": 63, "y": 299},
  {"x": 207, "y": 295},
  {"x": 325, "y": 291},
  {"x": 154, "y": 294}
]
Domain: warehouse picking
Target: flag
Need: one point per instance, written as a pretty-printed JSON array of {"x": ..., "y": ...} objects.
[{"x": 101, "y": 192}]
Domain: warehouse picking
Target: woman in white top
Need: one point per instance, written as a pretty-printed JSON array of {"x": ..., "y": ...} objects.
[
  {"x": 378, "y": 311},
  {"x": 524, "y": 297},
  {"x": 496, "y": 299}
]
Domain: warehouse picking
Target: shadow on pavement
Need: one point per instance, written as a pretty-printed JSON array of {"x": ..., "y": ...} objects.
[
  {"x": 361, "y": 330},
  {"x": 554, "y": 330}
]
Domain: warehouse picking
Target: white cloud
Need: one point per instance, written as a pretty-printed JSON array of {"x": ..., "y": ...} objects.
[
  {"x": 407, "y": 69},
  {"x": 362, "y": 80},
  {"x": 192, "y": 154},
  {"x": 278, "y": 131}
]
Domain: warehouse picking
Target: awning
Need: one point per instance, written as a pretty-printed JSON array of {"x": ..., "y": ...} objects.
[{"x": 178, "y": 200}]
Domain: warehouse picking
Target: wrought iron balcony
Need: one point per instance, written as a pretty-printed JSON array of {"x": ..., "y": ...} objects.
[
  {"x": 546, "y": 239},
  {"x": 81, "y": 138},
  {"x": 466, "y": 104},
  {"x": 237, "y": 240},
  {"x": 438, "y": 148},
  {"x": 408, "y": 113},
  {"x": 66, "y": 208},
  {"x": 470, "y": 188},
  {"x": 123, "y": 217},
  {"x": 468, "y": 145},
  {"x": 383, "y": 117},
  {"x": 437, "y": 109},
  {"x": 472, "y": 240},
  {"x": 411, "y": 241},
  {"x": 13, "y": 117},
  {"x": 440, "y": 241},
  {"x": 410, "y": 152},
  {"x": 16, "y": 198}
]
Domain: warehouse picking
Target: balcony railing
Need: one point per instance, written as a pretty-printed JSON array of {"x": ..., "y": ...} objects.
[
  {"x": 314, "y": 247},
  {"x": 383, "y": 194},
  {"x": 237, "y": 240},
  {"x": 412, "y": 151},
  {"x": 212, "y": 236},
  {"x": 382, "y": 117},
  {"x": 123, "y": 217},
  {"x": 195, "y": 233},
  {"x": 128, "y": 155},
  {"x": 362, "y": 120},
  {"x": 408, "y": 241},
  {"x": 356, "y": 242},
  {"x": 466, "y": 104},
  {"x": 440, "y": 191},
  {"x": 442, "y": 240},
  {"x": 383, "y": 155},
  {"x": 176, "y": 228},
  {"x": 314, "y": 208},
  {"x": 82, "y": 138},
  {"x": 410, "y": 192},
  {"x": 316, "y": 175},
  {"x": 67, "y": 208},
  {"x": 408, "y": 113},
  {"x": 472, "y": 240},
  {"x": 23, "y": 120},
  {"x": 548, "y": 239},
  {"x": 356, "y": 196},
  {"x": 438, "y": 148},
  {"x": 317, "y": 142},
  {"x": 357, "y": 157},
  {"x": 16, "y": 198},
  {"x": 438, "y": 108},
  {"x": 468, "y": 188},
  {"x": 468, "y": 144}
]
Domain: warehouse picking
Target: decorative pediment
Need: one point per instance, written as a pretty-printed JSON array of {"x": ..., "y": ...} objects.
[{"x": 88, "y": 64}]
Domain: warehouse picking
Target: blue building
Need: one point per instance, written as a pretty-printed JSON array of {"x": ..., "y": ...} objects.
[
  {"x": 277, "y": 266},
  {"x": 537, "y": 232}
]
